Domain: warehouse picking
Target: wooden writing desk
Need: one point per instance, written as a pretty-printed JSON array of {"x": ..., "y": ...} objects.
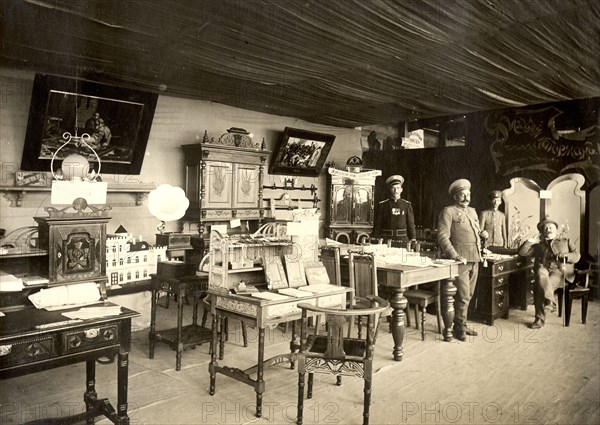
[
  {"x": 398, "y": 277},
  {"x": 261, "y": 313},
  {"x": 31, "y": 342}
]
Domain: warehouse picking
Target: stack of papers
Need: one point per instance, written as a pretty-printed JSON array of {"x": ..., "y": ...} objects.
[
  {"x": 10, "y": 283},
  {"x": 66, "y": 296}
]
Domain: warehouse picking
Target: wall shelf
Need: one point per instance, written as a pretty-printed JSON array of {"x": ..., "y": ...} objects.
[{"x": 15, "y": 194}]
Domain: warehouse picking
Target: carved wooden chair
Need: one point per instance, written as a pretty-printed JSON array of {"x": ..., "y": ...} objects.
[
  {"x": 419, "y": 298},
  {"x": 577, "y": 288},
  {"x": 330, "y": 257},
  {"x": 363, "y": 279},
  {"x": 333, "y": 354}
]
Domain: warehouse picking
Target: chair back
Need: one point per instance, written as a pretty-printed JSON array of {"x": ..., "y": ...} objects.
[
  {"x": 582, "y": 276},
  {"x": 363, "y": 274},
  {"x": 330, "y": 258},
  {"x": 334, "y": 345}
]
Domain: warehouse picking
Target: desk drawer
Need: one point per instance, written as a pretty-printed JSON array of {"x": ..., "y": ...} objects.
[
  {"x": 500, "y": 300},
  {"x": 91, "y": 338},
  {"x": 510, "y": 265},
  {"x": 28, "y": 351}
]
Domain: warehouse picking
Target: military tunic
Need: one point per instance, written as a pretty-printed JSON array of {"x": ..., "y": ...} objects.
[
  {"x": 394, "y": 220},
  {"x": 494, "y": 222}
]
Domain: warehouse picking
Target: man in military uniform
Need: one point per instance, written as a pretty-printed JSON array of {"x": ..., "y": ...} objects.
[
  {"x": 459, "y": 239},
  {"x": 394, "y": 217},
  {"x": 494, "y": 221}
]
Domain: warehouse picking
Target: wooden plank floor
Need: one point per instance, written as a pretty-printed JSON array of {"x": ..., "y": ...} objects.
[{"x": 508, "y": 374}]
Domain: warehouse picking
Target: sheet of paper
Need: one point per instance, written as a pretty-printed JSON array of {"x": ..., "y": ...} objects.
[
  {"x": 271, "y": 296},
  {"x": 320, "y": 288},
  {"x": 235, "y": 223},
  {"x": 293, "y": 292}
]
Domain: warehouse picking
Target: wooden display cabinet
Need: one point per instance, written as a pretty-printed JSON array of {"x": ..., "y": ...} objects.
[
  {"x": 224, "y": 179},
  {"x": 239, "y": 258},
  {"x": 350, "y": 212}
]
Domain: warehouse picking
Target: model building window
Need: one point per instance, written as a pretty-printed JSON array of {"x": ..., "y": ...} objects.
[
  {"x": 114, "y": 263},
  {"x": 120, "y": 262},
  {"x": 128, "y": 276},
  {"x": 145, "y": 273},
  {"x": 120, "y": 277},
  {"x": 137, "y": 274}
]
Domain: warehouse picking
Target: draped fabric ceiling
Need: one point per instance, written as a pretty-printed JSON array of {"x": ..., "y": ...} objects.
[{"x": 346, "y": 63}]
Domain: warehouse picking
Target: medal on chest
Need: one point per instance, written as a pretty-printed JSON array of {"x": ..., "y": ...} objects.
[{"x": 397, "y": 211}]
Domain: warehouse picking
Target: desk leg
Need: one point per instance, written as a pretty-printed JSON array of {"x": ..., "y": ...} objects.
[
  {"x": 90, "y": 388},
  {"x": 122, "y": 377},
  {"x": 260, "y": 383},
  {"x": 152, "y": 333},
  {"x": 212, "y": 367},
  {"x": 448, "y": 290},
  {"x": 398, "y": 327},
  {"x": 179, "y": 341}
]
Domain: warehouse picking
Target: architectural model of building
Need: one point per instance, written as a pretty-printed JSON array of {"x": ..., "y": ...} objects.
[{"x": 129, "y": 260}]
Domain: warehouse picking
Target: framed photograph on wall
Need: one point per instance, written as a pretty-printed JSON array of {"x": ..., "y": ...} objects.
[
  {"x": 117, "y": 120},
  {"x": 301, "y": 153}
]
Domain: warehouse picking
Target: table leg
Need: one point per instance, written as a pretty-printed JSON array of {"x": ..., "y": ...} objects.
[
  {"x": 448, "y": 290},
  {"x": 152, "y": 333},
  {"x": 90, "y": 387},
  {"x": 260, "y": 383},
  {"x": 122, "y": 377},
  {"x": 179, "y": 342},
  {"x": 294, "y": 345},
  {"x": 212, "y": 367},
  {"x": 398, "y": 327}
]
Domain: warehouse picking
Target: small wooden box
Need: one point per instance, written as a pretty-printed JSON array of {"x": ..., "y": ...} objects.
[
  {"x": 175, "y": 269},
  {"x": 174, "y": 240}
]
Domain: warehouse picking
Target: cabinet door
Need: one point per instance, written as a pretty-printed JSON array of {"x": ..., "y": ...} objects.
[
  {"x": 218, "y": 178},
  {"x": 78, "y": 252},
  {"x": 363, "y": 204},
  {"x": 342, "y": 203},
  {"x": 245, "y": 187}
]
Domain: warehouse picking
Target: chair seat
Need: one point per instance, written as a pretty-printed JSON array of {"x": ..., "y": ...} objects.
[
  {"x": 419, "y": 295},
  {"x": 352, "y": 346}
]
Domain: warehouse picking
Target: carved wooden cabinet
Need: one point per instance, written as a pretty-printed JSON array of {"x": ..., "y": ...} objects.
[
  {"x": 224, "y": 179},
  {"x": 76, "y": 243},
  {"x": 350, "y": 213}
]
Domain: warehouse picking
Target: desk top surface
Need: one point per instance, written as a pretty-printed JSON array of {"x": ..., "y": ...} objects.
[
  {"x": 248, "y": 298},
  {"x": 23, "y": 322}
]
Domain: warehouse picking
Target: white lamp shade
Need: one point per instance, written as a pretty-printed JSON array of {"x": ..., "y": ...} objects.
[{"x": 168, "y": 203}]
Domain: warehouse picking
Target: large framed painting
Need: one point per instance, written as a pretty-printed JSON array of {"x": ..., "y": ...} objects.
[
  {"x": 301, "y": 153},
  {"x": 117, "y": 121}
]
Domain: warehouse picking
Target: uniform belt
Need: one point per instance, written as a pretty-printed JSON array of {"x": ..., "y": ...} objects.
[{"x": 390, "y": 232}]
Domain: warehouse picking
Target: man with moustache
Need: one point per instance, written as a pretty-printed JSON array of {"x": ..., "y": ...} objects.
[
  {"x": 459, "y": 239},
  {"x": 493, "y": 221},
  {"x": 551, "y": 253}
]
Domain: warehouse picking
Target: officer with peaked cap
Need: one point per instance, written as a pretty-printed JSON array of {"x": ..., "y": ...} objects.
[
  {"x": 394, "y": 217},
  {"x": 459, "y": 239},
  {"x": 493, "y": 221},
  {"x": 551, "y": 252}
]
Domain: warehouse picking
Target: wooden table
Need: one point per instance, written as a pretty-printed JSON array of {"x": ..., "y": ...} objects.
[
  {"x": 34, "y": 340},
  {"x": 262, "y": 314},
  {"x": 181, "y": 337},
  {"x": 398, "y": 277}
]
